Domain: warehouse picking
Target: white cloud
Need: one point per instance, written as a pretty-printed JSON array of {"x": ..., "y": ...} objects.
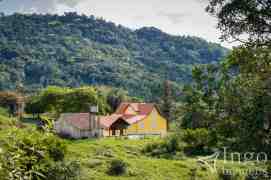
[{"x": 175, "y": 18}]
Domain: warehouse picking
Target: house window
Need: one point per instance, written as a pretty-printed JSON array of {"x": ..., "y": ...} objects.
[{"x": 141, "y": 124}]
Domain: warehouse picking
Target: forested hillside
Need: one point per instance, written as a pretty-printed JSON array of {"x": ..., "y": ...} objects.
[{"x": 74, "y": 50}]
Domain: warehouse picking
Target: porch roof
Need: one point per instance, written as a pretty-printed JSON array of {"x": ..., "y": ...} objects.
[{"x": 107, "y": 121}]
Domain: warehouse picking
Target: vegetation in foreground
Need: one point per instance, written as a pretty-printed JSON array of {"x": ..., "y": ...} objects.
[
  {"x": 226, "y": 105},
  {"x": 38, "y": 154},
  {"x": 98, "y": 156}
]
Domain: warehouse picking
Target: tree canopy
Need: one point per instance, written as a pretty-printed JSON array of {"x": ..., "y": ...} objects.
[
  {"x": 243, "y": 20},
  {"x": 76, "y": 50},
  {"x": 67, "y": 100},
  {"x": 232, "y": 99}
]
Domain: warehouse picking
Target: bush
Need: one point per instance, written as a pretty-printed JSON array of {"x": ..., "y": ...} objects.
[
  {"x": 65, "y": 136},
  {"x": 5, "y": 121},
  {"x": 4, "y": 112},
  {"x": 64, "y": 171},
  {"x": 117, "y": 167},
  {"x": 4, "y": 117},
  {"x": 34, "y": 155},
  {"x": 172, "y": 144},
  {"x": 198, "y": 141},
  {"x": 169, "y": 148},
  {"x": 224, "y": 176}
]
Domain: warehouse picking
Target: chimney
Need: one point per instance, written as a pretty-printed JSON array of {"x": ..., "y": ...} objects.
[{"x": 92, "y": 117}]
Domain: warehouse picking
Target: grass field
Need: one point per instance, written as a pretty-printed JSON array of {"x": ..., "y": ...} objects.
[{"x": 95, "y": 156}]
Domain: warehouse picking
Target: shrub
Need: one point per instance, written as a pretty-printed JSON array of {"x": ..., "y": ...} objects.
[
  {"x": 227, "y": 176},
  {"x": 65, "y": 136},
  {"x": 172, "y": 145},
  {"x": 150, "y": 147},
  {"x": 4, "y": 112},
  {"x": 117, "y": 167},
  {"x": 198, "y": 141},
  {"x": 169, "y": 148},
  {"x": 5, "y": 121},
  {"x": 64, "y": 171},
  {"x": 33, "y": 155}
]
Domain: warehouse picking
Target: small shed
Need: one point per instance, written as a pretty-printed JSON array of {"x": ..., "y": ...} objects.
[{"x": 78, "y": 125}]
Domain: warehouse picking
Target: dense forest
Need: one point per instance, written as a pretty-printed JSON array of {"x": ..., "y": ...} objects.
[
  {"x": 74, "y": 50},
  {"x": 221, "y": 130}
]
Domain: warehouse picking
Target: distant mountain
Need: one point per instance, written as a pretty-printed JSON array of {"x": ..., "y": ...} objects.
[{"x": 74, "y": 50}]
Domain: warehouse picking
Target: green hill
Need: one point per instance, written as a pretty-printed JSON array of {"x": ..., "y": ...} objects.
[
  {"x": 95, "y": 157},
  {"x": 74, "y": 50}
]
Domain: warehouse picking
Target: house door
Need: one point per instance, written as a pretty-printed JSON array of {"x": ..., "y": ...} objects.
[
  {"x": 121, "y": 132},
  {"x": 113, "y": 132}
]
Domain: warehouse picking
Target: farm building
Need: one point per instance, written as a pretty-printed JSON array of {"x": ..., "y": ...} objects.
[
  {"x": 130, "y": 119},
  {"x": 77, "y": 125}
]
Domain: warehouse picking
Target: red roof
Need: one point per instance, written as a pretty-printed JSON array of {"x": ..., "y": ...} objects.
[
  {"x": 79, "y": 120},
  {"x": 107, "y": 121},
  {"x": 140, "y": 108}
]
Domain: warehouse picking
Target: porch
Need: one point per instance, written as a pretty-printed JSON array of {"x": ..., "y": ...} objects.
[{"x": 118, "y": 128}]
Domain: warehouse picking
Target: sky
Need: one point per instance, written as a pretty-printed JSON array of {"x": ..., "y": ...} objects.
[{"x": 177, "y": 17}]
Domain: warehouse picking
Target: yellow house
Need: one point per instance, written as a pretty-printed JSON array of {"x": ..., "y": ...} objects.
[{"x": 134, "y": 119}]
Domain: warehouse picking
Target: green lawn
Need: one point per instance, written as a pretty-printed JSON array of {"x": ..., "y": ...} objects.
[{"x": 95, "y": 156}]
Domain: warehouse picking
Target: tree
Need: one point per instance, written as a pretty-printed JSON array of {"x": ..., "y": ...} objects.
[
  {"x": 90, "y": 51},
  {"x": 253, "y": 86},
  {"x": 167, "y": 102},
  {"x": 32, "y": 155},
  {"x": 233, "y": 100},
  {"x": 201, "y": 97},
  {"x": 10, "y": 100},
  {"x": 242, "y": 18},
  {"x": 60, "y": 100},
  {"x": 115, "y": 97},
  {"x": 35, "y": 106}
]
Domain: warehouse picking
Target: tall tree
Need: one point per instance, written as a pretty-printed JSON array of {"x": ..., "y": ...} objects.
[
  {"x": 167, "y": 101},
  {"x": 247, "y": 19},
  {"x": 234, "y": 100}
]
